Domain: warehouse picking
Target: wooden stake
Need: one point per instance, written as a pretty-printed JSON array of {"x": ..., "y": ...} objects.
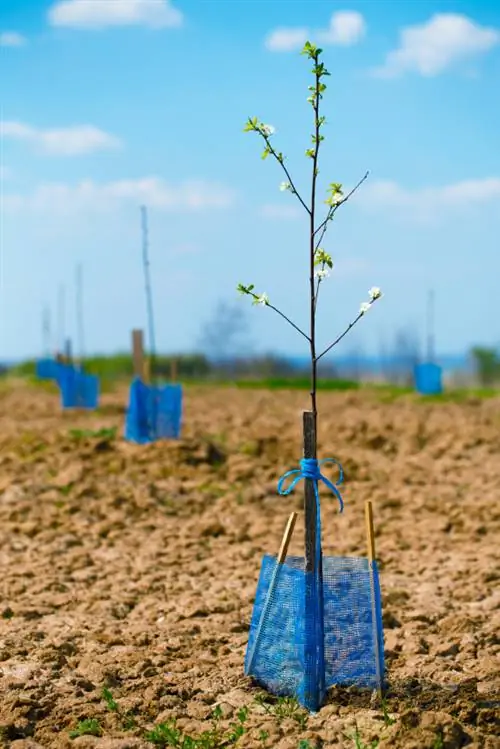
[
  {"x": 287, "y": 537},
  {"x": 173, "y": 370},
  {"x": 67, "y": 351},
  {"x": 280, "y": 559},
  {"x": 370, "y": 537},
  {"x": 138, "y": 353},
  {"x": 310, "y": 509}
]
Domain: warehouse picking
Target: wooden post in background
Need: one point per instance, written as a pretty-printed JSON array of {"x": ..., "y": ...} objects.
[
  {"x": 68, "y": 354},
  {"x": 173, "y": 370},
  {"x": 138, "y": 353}
]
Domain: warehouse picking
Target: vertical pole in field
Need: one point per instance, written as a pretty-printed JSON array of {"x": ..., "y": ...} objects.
[
  {"x": 138, "y": 353},
  {"x": 46, "y": 331},
  {"x": 370, "y": 537},
  {"x": 430, "y": 327},
  {"x": 68, "y": 351},
  {"x": 313, "y": 604},
  {"x": 61, "y": 323},
  {"x": 80, "y": 333},
  {"x": 149, "y": 295}
]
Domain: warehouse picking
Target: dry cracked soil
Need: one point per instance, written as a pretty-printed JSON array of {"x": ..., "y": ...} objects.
[{"x": 133, "y": 569}]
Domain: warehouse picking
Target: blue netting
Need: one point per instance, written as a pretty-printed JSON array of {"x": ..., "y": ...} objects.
[
  {"x": 313, "y": 630},
  {"x": 47, "y": 369},
  {"x": 428, "y": 379},
  {"x": 154, "y": 412},
  {"x": 289, "y": 658},
  {"x": 78, "y": 390}
]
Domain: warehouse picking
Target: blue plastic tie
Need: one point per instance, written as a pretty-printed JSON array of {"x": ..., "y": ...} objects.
[{"x": 310, "y": 468}]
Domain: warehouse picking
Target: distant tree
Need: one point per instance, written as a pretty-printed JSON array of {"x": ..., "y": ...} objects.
[
  {"x": 487, "y": 365},
  {"x": 224, "y": 337}
]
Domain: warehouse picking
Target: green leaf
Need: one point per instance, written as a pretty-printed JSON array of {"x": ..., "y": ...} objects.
[
  {"x": 310, "y": 153},
  {"x": 265, "y": 152}
]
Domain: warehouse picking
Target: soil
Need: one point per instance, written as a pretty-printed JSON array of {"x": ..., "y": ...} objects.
[{"x": 134, "y": 568}]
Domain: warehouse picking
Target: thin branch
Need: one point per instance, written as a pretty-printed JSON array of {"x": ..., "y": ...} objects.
[
  {"x": 333, "y": 209},
  {"x": 289, "y": 321},
  {"x": 316, "y": 295},
  {"x": 337, "y": 340},
  {"x": 280, "y": 161},
  {"x": 281, "y": 314}
]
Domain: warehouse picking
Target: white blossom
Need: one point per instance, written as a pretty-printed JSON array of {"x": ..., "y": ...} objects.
[
  {"x": 374, "y": 293},
  {"x": 268, "y": 130},
  {"x": 262, "y": 299},
  {"x": 322, "y": 274},
  {"x": 365, "y": 306},
  {"x": 285, "y": 186}
]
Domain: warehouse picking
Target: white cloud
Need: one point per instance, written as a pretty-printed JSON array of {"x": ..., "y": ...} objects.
[
  {"x": 280, "y": 212},
  {"x": 427, "y": 203},
  {"x": 286, "y": 39},
  {"x": 12, "y": 39},
  {"x": 99, "y": 14},
  {"x": 432, "y": 47},
  {"x": 89, "y": 196},
  {"x": 345, "y": 29},
  {"x": 69, "y": 141}
]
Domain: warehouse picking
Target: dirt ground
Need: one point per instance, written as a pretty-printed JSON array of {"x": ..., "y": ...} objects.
[{"x": 134, "y": 568}]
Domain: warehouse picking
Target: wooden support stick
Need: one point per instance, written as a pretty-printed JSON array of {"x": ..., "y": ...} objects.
[
  {"x": 138, "y": 353},
  {"x": 310, "y": 508},
  {"x": 173, "y": 370},
  {"x": 370, "y": 537},
  {"x": 280, "y": 559},
  {"x": 68, "y": 351}
]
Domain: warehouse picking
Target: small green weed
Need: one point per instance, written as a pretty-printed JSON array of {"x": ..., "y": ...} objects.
[
  {"x": 388, "y": 720},
  {"x": 438, "y": 742},
  {"x": 127, "y": 720},
  {"x": 357, "y": 739},
  {"x": 87, "y": 727},
  {"x": 168, "y": 735},
  {"x": 284, "y": 707}
]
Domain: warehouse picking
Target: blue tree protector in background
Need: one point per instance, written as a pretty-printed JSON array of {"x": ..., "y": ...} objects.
[
  {"x": 47, "y": 369},
  {"x": 296, "y": 653},
  {"x": 154, "y": 412},
  {"x": 428, "y": 375},
  {"x": 428, "y": 379},
  {"x": 78, "y": 390}
]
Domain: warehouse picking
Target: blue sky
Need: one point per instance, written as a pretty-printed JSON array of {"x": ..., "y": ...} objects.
[{"x": 109, "y": 104}]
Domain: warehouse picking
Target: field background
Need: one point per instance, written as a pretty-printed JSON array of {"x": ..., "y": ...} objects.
[{"x": 134, "y": 568}]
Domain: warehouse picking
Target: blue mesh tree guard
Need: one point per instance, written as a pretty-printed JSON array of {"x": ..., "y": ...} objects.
[
  {"x": 47, "y": 369},
  {"x": 301, "y": 650},
  {"x": 78, "y": 390},
  {"x": 428, "y": 379},
  {"x": 154, "y": 412}
]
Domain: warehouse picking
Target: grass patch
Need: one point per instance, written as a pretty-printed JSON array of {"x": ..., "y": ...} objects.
[
  {"x": 296, "y": 383},
  {"x": 108, "y": 433},
  {"x": 87, "y": 727},
  {"x": 168, "y": 735}
]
